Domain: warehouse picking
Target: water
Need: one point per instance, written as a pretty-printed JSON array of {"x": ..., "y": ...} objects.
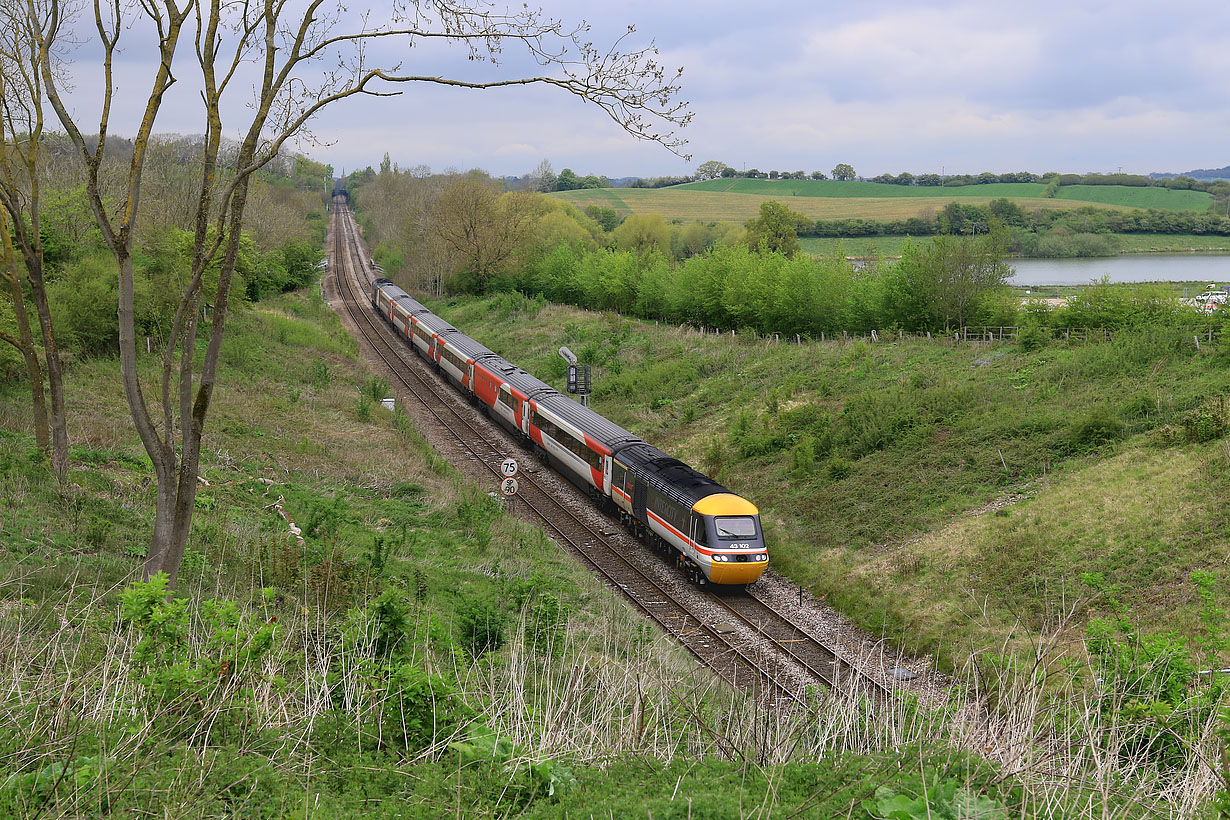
[{"x": 1204, "y": 268}]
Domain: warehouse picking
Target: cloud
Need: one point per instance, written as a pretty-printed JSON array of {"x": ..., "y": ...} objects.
[{"x": 887, "y": 85}]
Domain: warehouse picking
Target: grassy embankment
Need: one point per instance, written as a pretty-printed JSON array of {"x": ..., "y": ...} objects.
[
  {"x": 877, "y": 466},
  {"x": 332, "y": 680}
]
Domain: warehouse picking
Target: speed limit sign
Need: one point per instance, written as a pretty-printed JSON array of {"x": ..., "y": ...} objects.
[
  {"x": 509, "y": 486},
  {"x": 509, "y": 467}
]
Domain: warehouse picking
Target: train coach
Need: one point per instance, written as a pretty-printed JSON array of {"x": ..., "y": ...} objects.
[{"x": 711, "y": 533}]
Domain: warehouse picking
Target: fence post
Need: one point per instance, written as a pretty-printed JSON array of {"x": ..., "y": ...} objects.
[{"x": 1196, "y": 339}]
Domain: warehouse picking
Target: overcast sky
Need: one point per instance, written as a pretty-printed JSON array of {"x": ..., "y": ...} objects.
[{"x": 922, "y": 86}]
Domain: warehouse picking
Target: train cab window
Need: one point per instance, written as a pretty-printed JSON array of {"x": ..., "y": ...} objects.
[
  {"x": 742, "y": 526},
  {"x": 698, "y": 530}
]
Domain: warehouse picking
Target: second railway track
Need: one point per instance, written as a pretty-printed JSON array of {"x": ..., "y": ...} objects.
[{"x": 759, "y": 649}]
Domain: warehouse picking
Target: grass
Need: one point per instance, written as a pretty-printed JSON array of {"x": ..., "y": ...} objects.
[
  {"x": 687, "y": 204},
  {"x": 341, "y": 678},
  {"x": 911, "y": 442},
  {"x": 1117, "y": 195}
]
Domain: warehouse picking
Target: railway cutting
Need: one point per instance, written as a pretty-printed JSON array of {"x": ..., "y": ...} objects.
[{"x": 753, "y": 645}]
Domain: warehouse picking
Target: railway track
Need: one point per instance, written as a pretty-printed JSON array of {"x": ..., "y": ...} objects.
[{"x": 759, "y": 650}]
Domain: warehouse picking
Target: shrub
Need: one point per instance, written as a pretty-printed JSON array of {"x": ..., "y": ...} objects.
[
  {"x": 480, "y": 625},
  {"x": 1203, "y": 424},
  {"x": 837, "y": 468},
  {"x": 1033, "y": 337},
  {"x": 419, "y": 709},
  {"x": 1099, "y": 426}
]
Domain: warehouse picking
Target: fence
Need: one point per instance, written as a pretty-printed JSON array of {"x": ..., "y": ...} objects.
[{"x": 980, "y": 334}]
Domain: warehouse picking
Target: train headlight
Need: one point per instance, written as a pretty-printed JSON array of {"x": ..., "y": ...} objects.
[
  {"x": 719, "y": 558},
  {"x": 764, "y": 556}
]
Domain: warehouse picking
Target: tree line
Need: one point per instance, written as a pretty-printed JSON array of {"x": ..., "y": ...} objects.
[{"x": 464, "y": 233}]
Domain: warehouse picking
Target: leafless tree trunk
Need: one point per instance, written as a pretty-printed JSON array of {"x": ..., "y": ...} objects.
[{"x": 287, "y": 43}]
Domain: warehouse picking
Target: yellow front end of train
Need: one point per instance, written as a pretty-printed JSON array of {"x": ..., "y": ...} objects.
[{"x": 733, "y": 540}]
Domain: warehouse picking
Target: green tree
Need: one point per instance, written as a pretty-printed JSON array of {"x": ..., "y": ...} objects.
[
  {"x": 567, "y": 180},
  {"x": 776, "y": 229},
  {"x": 950, "y": 276},
  {"x": 843, "y": 172},
  {"x": 712, "y": 169},
  {"x": 482, "y": 227},
  {"x": 643, "y": 233}
]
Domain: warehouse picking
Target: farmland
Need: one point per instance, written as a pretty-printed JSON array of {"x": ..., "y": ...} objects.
[
  {"x": 1120, "y": 196},
  {"x": 739, "y": 200},
  {"x": 688, "y": 203}
]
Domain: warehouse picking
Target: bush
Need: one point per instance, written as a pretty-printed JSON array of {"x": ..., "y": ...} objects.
[
  {"x": 1204, "y": 424},
  {"x": 1033, "y": 337},
  {"x": 481, "y": 625},
  {"x": 1099, "y": 426},
  {"x": 420, "y": 710}
]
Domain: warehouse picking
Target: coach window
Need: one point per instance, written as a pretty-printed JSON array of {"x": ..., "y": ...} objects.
[
  {"x": 617, "y": 474},
  {"x": 504, "y": 398}
]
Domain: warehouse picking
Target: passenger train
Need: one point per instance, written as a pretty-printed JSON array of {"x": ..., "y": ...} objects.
[{"x": 711, "y": 533}]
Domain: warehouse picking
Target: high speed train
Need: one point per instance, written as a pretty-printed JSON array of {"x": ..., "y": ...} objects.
[{"x": 714, "y": 535}]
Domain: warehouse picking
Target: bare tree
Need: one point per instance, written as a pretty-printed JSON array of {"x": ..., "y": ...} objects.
[
  {"x": 308, "y": 58},
  {"x": 25, "y": 58},
  {"x": 542, "y": 178}
]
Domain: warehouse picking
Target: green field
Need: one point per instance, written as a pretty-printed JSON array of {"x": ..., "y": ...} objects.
[
  {"x": 739, "y": 200},
  {"x": 1118, "y": 195},
  {"x": 686, "y": 203}
]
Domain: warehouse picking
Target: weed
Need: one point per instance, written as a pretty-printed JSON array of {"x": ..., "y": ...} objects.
[
  {"x": 480, "y": 623},
  {"x": 320, "y": 375},
  {"x": 375, "y": 388}
]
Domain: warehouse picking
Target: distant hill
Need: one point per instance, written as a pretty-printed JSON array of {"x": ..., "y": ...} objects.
[{"x": 1203, "y": 173}]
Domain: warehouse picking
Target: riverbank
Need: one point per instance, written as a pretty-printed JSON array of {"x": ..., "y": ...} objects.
[{"x": 890, "y": 247}]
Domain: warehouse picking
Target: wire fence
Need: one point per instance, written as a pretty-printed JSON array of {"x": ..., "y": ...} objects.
[{"x": 972, "y": 335}]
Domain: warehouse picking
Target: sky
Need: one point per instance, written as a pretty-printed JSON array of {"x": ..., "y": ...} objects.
[{"x": 924, "y": 86}]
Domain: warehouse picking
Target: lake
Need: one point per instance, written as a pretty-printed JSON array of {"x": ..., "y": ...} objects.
[{"x": 1161, "y": 267}]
